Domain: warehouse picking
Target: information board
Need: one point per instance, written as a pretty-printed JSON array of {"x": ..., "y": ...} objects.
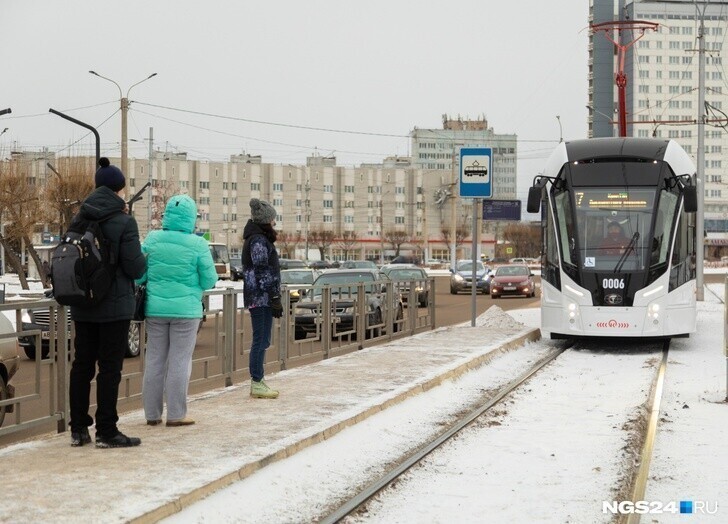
[{"x": 501, "y": 210}]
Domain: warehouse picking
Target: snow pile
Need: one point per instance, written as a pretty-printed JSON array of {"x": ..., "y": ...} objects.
[{"x": 496, "y": 318}]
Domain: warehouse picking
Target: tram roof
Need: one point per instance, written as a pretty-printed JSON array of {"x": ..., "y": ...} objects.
[{"x": 593, "y": 148}]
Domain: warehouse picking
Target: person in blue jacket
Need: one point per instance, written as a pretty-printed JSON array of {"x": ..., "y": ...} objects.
[
  {"x": 262, "y": 288},
  {"x": 179, "y": 270}
]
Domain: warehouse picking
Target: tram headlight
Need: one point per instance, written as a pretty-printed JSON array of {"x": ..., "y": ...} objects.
[
  {"x": 573, "y": 310},
  {"x": 653, "y": 312}
]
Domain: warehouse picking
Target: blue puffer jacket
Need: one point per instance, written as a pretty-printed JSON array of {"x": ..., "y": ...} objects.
[
  {"x": 261, "y": 269},
  {"x": 179, "y": 264}
]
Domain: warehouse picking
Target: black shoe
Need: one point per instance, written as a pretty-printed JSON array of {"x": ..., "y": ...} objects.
[
  {"x": 79, "y": 438},
  {"x": 117, "y": 441}
]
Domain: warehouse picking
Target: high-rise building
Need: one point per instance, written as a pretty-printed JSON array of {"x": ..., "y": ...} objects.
[
  {"x": 663, "y": 83},
  {"x": 438, "y": 150}
]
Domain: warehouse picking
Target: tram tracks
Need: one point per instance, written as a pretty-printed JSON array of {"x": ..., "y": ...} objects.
[
  {"x": 640, "y": 441},
  {"x": 350, "y": 506}
]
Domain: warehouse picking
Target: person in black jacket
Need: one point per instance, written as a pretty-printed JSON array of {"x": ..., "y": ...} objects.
[
  {"x": 261, "y": 289},
  {"x": 102, "y": 330}
]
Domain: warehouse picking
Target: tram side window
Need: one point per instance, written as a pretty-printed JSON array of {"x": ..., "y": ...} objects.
[
  {"x": 683, "y": 256},
  {"x": 566, "y": 227},
  {"x": 663, "y": 225},
  {"x": 551, "y": 267}
]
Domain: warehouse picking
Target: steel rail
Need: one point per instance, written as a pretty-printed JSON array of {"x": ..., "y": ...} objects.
[
  {"x": 375, "y": 487},
  {"x": 640, "y": 482}
]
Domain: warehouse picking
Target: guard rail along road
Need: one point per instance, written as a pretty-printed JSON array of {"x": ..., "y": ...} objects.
[{"x": 223, "y": 345}]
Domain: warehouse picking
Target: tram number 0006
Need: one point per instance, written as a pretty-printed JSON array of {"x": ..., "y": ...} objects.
[{"x": 613, "y": 283}]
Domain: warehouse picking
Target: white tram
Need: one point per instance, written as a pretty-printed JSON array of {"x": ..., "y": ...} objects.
[{"x": 640, "y": 283}]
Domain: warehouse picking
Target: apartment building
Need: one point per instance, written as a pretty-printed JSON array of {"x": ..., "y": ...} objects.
[
  {"x": 363, "y": 207},
  {"x": 662, "y": 84}
]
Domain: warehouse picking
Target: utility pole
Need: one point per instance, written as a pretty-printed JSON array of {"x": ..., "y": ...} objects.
[
  {"x": 631, "y": 26},
  {"x": 425, "y": 231},
  {"x": 453, "y": 214},
  {"x": 700, "y": 174},
  {"x": 381, "y": 230},
  {"x": 307, "y": 188},
  {"x": 124, "y": 107},
  {"x": 150, "y": 179}
]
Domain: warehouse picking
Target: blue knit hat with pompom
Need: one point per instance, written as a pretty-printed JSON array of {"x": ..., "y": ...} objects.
[{"x": 109, "y": 176}]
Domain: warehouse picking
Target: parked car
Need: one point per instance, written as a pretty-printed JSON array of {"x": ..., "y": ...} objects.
[
  {"x": 344, "y": 290},
  {"x": 236, "y": 269},
  {"x": 403, "y": 275},
  {"x": 322, "y": 264},
  {"x": 357, "y": 264},
  {"x": 9, "y": 360},
  {"x": 291, "y": 263},
  {"x": 515, "y": 279},
  {"x": 404, "y": 259},
  {"x": 462, "y": 277},
  {"x": 291, "y": 277},
  {"x": 39, "y": 318}
]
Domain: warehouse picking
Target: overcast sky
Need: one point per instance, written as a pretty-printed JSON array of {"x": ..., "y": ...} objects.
[{"x": 361, "y": 69}]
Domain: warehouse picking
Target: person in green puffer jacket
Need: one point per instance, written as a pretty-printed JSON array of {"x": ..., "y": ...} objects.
[{"x": 179, "y": 270}]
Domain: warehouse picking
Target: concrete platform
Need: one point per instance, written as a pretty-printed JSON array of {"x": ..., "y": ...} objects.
[{"x": 46, "y": 480}]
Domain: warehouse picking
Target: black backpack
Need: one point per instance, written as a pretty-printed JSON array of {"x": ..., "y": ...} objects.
[{"x": 82, "y": 265}]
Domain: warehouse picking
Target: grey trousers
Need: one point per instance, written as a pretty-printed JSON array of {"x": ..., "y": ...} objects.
[{"x": 168, "y": 365}]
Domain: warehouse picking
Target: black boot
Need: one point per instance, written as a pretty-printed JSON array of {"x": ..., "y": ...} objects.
[
  {"x": 117, "y": 441},
  {"x": 80, "y": 437}
]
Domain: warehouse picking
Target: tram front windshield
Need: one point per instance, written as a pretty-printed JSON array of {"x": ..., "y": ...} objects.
[{"x": 609, "y": 229}]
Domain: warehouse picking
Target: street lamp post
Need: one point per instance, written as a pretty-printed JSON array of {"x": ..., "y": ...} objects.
[
  {"x": 124, "y": 106},
  {"x": 561, "y": 131}
]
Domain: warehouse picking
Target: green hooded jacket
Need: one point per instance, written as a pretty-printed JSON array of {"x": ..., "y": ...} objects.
[{"x": 179, "y": 264}]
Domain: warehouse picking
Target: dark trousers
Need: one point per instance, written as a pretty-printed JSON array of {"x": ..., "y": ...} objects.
[
  {"x": 261, "y": 319},
  {"x": 104, "y": 344}
]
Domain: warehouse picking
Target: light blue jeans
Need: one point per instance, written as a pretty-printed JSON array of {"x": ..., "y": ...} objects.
[{"x": 168, "y": 365}]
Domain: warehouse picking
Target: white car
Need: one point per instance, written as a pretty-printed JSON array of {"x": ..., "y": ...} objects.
[{"x": 9, "y": 359}]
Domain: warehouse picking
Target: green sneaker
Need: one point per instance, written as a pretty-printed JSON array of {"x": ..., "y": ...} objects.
[{"x": 261, "y": 390}]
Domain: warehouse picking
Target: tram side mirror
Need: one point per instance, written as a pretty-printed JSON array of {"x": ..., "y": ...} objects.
[
  {"x": 533, "y": 204},
  {"x": 690, "y": 199}
]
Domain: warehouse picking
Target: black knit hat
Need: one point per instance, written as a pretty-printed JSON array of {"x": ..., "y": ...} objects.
[{"x": 109, "y": 176}]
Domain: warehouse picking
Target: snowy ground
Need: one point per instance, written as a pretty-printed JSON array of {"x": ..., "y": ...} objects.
[
  {"x": 541, "y": 458},
  {"x": 553, "y": 454}
]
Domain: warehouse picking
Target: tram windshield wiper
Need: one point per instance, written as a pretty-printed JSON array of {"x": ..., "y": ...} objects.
[{"x": 630, "y": 247}]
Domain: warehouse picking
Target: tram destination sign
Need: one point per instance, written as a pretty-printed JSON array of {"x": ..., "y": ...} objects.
[{"x": 502, "y": 210}]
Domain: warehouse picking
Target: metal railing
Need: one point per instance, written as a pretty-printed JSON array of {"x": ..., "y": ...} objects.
[{"x": 223, "y": 360}]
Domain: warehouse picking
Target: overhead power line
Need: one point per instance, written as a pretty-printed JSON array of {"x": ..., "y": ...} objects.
[{"x": 278, "y": 124}]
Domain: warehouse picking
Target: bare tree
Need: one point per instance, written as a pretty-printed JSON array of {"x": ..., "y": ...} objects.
[
  {"x": 461, "y": 233},
  {"x": 396, "y": 237},
  {"x": 322, "y": 239},
  {"x": 526, "y": 238},
  {"x": 288, "y": 242},
  {"x": 69, "y": 186},
  {"x": 159, "y": 194},
  {"x": 20, "y": 212},
  {"x": 347, "y": 242},
  {"x": 419, "y": 244}
]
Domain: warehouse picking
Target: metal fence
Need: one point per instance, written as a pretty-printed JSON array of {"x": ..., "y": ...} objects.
[{"x": 223, "y": 345}]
